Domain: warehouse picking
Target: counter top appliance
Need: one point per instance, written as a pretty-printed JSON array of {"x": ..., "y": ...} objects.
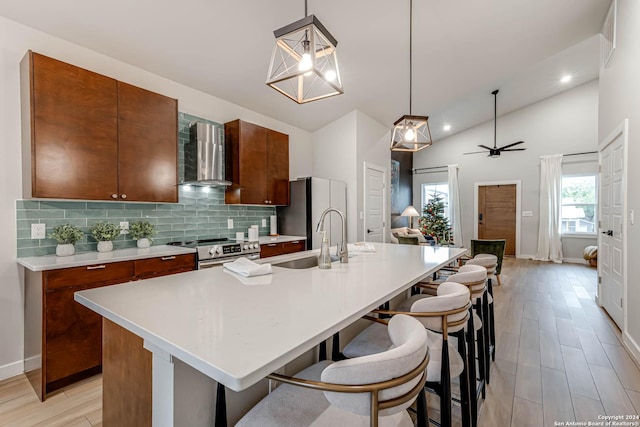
[{"x": 216, "y": 251}]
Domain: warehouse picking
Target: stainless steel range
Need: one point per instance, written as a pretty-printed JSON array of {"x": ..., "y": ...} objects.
[{"x": 214, "y": 252}]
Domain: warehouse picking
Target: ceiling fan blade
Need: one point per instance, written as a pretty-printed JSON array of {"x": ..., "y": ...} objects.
[
  {"x": 511, "y": 145},
  {"x": 485, "y": 147},
  {"x": 476, "y": 152},
  {"x": 514, "y": 149}
]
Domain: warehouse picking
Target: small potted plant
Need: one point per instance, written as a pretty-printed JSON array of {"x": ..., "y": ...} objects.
[
  {"x": 105, "y": 233},
  {"x": 142, "y": 231},
  {"x": 66, "y": 235}
]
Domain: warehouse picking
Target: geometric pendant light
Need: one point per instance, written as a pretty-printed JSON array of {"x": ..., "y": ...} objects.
[
  {"x": 304, "y": 64},
  {"x": 411, "y": 133}
]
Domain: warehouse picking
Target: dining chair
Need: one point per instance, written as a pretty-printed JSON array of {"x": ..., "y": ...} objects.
[
  {"x": 442, "y": 315},
  {"x": 370, "y": 390}
]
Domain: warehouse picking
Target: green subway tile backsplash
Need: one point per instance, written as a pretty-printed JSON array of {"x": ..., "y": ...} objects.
[{"x": 200, "y": 213}]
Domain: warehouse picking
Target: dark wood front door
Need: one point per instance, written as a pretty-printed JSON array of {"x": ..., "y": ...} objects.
[{"x": 497, "y": 214}]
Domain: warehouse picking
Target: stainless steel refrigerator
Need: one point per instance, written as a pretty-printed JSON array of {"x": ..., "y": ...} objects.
[{"x": 309, "y": 197}]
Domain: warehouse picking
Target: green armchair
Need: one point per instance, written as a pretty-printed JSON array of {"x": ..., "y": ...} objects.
[{"x": 494, "y": 247}]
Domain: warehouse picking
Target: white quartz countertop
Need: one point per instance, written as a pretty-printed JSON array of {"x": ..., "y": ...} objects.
[
  {"x": 265, "y": 240},
  {"x": 53, "y": 262},
  {"x": 238, "y": 330}
]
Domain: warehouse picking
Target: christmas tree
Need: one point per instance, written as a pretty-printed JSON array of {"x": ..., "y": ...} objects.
[{"x": 433, "y": 222}]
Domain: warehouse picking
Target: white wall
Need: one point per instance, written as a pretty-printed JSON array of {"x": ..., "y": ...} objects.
[
  {"x": 565, "y": 123},
  {"x": 334, "y": 157},
  {"x": 373, "y": 141},
  {"x": 619, "y": 94},
  {"x": 15, "y": 40}
]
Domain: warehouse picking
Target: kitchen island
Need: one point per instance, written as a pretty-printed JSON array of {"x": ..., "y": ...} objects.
[{"x": 238, "y": 330}]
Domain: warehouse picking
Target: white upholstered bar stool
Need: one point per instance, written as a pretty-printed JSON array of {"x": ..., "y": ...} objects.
[
  {"x": 475, "y": 278},
  {"x": 371, "y": 390},
  {"x": 443, "y": 315},
  {"x": 490, "y": 262}
]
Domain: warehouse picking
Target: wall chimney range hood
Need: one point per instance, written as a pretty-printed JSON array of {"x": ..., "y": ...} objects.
[{"x": 204, "y": 156}]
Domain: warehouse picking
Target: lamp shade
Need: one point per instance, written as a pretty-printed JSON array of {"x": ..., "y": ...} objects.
[
  {"x": 304, "y": 64},
  {"x": 410, "y": 211}
]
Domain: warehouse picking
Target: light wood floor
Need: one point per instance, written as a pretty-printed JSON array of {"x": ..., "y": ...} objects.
[{"x": 559, "y": 358}]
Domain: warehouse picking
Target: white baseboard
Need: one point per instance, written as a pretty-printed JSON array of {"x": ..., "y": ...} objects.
[
  {"x": 11, "y": 369},
  {"x": 522, "y": 256},
  {"x": 575, "y": 261},
  {"x": 632, "y": 347}
]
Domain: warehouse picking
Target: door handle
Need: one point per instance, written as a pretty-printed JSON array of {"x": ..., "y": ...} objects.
[
  {"x": 369, "y": 231},
  {"x": 608, "y": 232}
]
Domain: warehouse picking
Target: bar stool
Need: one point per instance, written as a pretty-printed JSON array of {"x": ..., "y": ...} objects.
[
  {"x": 374, "y": 389},
  {"x": 443, "y": 315},
  {"x": 490, "y": 262}
]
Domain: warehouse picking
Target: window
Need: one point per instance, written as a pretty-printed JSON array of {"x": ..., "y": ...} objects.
[
  {"x": 440, "y": 188},
  {"x": 579, "y": 204}
]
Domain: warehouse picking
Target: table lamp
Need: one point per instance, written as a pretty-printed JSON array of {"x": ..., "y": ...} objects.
[{"x": 410, "y": 211}]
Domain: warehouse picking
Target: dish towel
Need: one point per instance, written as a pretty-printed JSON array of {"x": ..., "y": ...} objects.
[
  {"x": 361, "y": 248},
  {"x": 247, "y": 268}
]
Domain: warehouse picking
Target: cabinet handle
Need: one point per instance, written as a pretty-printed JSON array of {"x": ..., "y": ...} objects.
[
  {"x": 124, "y": 196},
  {"x": 272, "y": 244},
  {"x": 168, "y": 258},
  {"x": 96, "y": 267},
  {"x": 295, "y": 242},
  {"x": 114, "y": 196}
]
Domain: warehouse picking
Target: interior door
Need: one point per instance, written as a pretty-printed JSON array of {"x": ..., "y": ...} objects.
[
  {"x": 611, "y": 237},
  {"x": 374, "y": 187},
  {"x": 497, "y": 214}
]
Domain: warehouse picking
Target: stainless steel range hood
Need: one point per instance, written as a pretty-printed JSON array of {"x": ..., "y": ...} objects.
[{"x": 204, "y": 156}]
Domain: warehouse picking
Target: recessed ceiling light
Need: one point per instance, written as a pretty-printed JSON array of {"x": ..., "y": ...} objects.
[
  {"x": 447, "y": 127},
  {"x": 566, "y": 79}
]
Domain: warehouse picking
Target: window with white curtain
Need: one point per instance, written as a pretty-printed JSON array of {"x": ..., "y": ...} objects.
[
  {"x": 579, "y": 204},
  {"x": 440, "y": 188}
]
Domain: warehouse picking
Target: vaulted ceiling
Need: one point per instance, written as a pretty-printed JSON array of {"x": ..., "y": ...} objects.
[{"x": 462, "y": 50}]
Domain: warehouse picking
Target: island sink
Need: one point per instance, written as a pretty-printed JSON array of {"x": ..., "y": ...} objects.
[{"x": 302, "y": 263}]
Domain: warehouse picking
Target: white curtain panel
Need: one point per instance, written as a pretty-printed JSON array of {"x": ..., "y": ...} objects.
[
  {"x": 454, "y": 205},
  {"x": 549, "y": 242}
]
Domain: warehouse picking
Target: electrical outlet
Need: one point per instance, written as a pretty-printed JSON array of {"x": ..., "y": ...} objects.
[
  {"x": 38, "y": 231},
  {"x": 264, "y": 222},
  {"x": 124, "y": 227},
  {"x": 230, "y": 223}
]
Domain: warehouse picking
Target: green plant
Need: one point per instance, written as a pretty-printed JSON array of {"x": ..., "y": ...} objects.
[
  {"x": 66, "y": 234},
  {"x": 104, "y": 231},
  {"x": 142, "y": 230},
  {"x": 433, "y": 222}
]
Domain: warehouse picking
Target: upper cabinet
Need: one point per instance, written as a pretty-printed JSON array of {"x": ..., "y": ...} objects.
[
  {"x": 90, "y": 137},
  {"x": 257, "y": 163}
]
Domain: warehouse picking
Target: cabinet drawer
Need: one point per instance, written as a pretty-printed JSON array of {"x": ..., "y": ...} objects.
[
  {"x": 115, "y": 272},
  {"x": 151, "y": 267},
  {"x": 274, "y": 249},
  {"x": 295, "y": 246}
]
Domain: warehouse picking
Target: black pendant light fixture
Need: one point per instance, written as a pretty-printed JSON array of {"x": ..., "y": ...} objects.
[
  {"x": 411, "y": 133},
  {"x": 304, "y": 64}
]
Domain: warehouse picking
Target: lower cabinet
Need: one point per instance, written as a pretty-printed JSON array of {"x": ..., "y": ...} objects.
[
  {"x": 274, "y": 249},
  {"x": 63, "y": 339}
]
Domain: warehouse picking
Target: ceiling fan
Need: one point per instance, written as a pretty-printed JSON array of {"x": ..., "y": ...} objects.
[{"x": 495, "y": 150}]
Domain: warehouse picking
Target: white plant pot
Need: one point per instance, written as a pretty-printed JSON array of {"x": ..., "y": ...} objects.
[
  {"x": 143, "y": 243},
  {"x": 105, "y": 246},
  {"x": 65, "y": 250}
]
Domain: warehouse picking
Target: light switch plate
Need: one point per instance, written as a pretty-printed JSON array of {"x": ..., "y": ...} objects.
[
  {"x": 124, "y": 227},
  {"x": 230, "y": 223},
  {"x": 527, "y": 213},
  {"x": 38, "y": 231},
  {"x": 264, "y": 222}
]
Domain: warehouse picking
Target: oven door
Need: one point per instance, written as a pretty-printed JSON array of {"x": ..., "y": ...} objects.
[{"x": 219, "y": 261}]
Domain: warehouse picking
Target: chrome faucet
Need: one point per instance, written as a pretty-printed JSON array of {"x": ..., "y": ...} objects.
[{"x": 342, "y": 251}]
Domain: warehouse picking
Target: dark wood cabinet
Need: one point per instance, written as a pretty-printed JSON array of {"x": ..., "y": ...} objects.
[
  {"x": 154, "y": 267},
  {"x": 91, "y": 137},
  {"x": 274, "y": 249},
  {"x": 257, "y": 163},
  {"x": 63, "y": 339}
]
